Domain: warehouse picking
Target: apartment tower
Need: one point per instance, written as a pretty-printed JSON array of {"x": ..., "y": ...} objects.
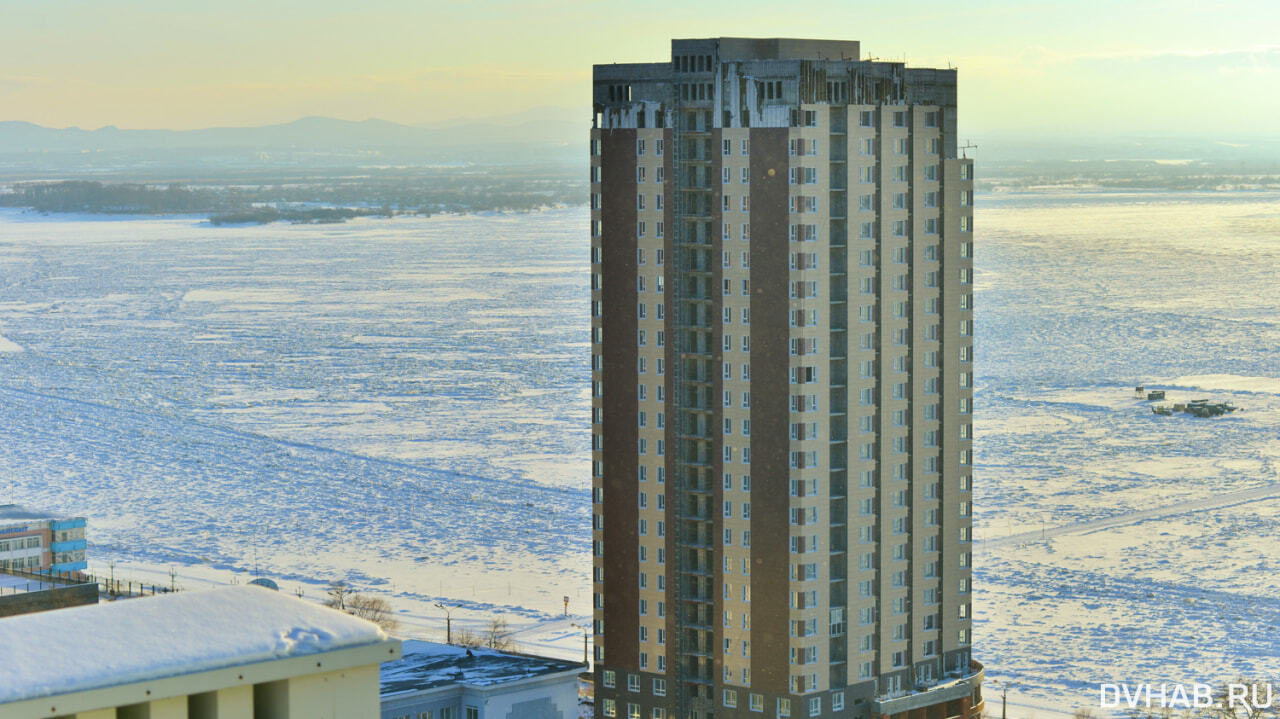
[{"x": 781, "y": 241}]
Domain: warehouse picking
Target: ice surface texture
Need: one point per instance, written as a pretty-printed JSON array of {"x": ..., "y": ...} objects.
[{"x": 405, "y": 404}]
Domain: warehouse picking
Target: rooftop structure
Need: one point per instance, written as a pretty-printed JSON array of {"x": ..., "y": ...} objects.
[
  {"x": 435, "y": 679},
  {"x": 217, "y": 654},
  {"x": 22, "y": 592}
]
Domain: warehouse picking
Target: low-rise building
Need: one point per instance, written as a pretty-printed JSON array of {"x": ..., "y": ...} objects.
[
  {"x": 442, "y": 681},
  {"x": 226, "y": 653},
  {"x": 37, "y": 541},
  {"x": 22, "y": 592}
]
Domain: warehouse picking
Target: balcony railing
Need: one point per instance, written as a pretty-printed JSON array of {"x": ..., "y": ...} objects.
[{"x": 950, "y": 689}]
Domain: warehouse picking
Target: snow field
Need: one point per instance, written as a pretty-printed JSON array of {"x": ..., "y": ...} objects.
[{"x": 403, "y": 404}]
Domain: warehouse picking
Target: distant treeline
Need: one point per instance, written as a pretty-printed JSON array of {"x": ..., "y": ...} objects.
[
  {"x": 263, "y": 215},
  {"x": 327, "y": 200},
  {"x": 77, "y": 196}
]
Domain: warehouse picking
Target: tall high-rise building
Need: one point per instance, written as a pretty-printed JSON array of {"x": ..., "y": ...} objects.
[{"x": 782, "y": 372}]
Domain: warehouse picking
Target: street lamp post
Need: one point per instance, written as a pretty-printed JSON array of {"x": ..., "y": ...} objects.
[
  {"x": 586, "y": 634},
  {"x": 1004, "y": 696},
  {"x": 448, "y": 622}
]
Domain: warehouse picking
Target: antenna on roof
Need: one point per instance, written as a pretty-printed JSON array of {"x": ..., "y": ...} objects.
[{"x": 967, "y": 146}]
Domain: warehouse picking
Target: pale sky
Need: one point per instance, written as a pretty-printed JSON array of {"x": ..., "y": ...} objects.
[{"x": 1025, "y": 66}]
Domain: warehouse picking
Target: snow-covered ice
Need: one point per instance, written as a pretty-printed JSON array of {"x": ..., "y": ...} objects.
[
  {"x": 400, "y": 404},
  {"x": 1114, "y": 544},
  {"x": 404, "y": 404}
]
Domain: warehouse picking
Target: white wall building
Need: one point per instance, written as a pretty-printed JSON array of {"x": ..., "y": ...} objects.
[{"x": 230, "y": 653}]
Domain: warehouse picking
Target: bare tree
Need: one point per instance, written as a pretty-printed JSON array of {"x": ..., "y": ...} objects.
[
  {"x": 464, "y": 638},
  {"x": 1152, "y": 712},
  {"x": 338, "y": 595},
  {"x": 498, "y": 635},
  {"x": 375, "y": 609},
  {"x": 1244, "y": 699}
]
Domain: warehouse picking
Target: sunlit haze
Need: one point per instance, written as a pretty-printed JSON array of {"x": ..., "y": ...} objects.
[{"x": 1172, "y": 66}]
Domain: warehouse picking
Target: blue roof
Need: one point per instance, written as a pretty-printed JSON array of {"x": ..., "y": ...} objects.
[{"x": 427, "y": 665}]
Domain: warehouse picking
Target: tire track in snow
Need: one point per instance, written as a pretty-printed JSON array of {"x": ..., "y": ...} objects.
[{"x": 1220, "y": 501}]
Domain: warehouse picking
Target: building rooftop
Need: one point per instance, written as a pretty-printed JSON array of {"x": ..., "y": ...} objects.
[
  {"x": 14, "y": 584},
  {"x": 90, "y": 647},
  {"x": 427, "y": 665},
  {"x": 773, "y": 48}
]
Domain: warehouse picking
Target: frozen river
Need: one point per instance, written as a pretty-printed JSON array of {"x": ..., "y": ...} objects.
[{"x": 404, "y": 404}]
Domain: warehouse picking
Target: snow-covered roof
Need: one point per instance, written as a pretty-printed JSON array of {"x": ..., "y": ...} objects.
[
  {"x": 427, "y": 665},
  {"x": 133, "y": 640}
]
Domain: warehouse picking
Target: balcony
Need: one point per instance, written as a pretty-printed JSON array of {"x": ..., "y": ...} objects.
[{"x": 936, "y": 698}]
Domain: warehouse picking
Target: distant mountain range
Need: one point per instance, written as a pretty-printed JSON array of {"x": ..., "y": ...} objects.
[
  {"x": 540, "y": 126},
  {"x": 547, "y": 137}
]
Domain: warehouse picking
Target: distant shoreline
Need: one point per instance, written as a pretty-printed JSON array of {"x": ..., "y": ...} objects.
[
  {"x": 328, "y": 201},
  {"x": 27, "y": 214}
]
